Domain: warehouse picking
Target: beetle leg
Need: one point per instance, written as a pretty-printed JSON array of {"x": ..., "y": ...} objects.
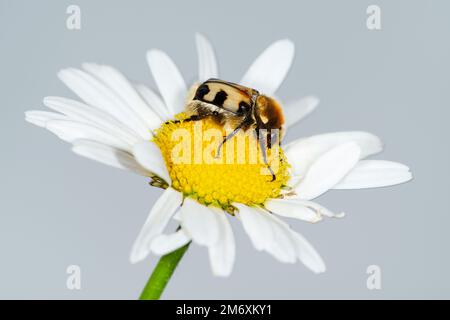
[
  {"x": 229, "y": 136},
  {"x": 247, "y": 120},
  {"x": 263, "y": 147}
]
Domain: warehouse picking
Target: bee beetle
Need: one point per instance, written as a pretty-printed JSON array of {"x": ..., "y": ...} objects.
[{"x": 241, "y": 108}]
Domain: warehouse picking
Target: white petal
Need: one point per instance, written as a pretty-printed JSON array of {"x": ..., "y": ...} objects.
[
  {"x": 317, "y": 208},
  {"x": 81, "y": 112},
  {"x": 292, "y": 209},
  {"x": 97, "y": 94},
  {"x": 308, "y": 255},
  {"x": 268, "y": 71},
  {"x": 177, "y": 217},
  {"x": 125, "y": 90},
  {"x": 328, "y": 170},
  {"x": 168, "y": 79},
  {"x": 201, "y": 222},
  {"x": 374, "y": 174},
  {"x": 154, "y": 101},
  {"x": 166, "y": 243},
  {"x": 157, "y": 220},
  {"x": 40, "y": 118},
  {"x": 274, "y": 236},
  {"x": 268, "y": 233},
  {"x": 148, "y": 155},
  {"x": 222, "y": 254},
  {"x": 303, "y": 152},
  {"x": 293, "y": 180},
  {"x": 296, "y": 110},
  {"x": 108, "y": 155},
  {"x": 70, "y": 131},
  {"x": 207, "y": 64}
]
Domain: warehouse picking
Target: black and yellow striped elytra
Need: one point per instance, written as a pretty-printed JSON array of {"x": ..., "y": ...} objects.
[
  {"x": 230, "y": 96},
  {"x": 238, "y": 106}
]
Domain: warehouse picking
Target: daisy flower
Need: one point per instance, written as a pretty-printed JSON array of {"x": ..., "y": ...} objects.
[{"x": 129, "y": 126}]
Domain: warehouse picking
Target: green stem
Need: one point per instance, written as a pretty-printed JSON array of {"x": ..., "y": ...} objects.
[{"x": 161, "y": 274}]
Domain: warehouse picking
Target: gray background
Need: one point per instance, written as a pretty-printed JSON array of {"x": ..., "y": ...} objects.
[{"x": 59, "y": 209}]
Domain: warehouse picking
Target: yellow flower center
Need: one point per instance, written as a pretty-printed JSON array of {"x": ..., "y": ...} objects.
[{"x": 235, "y": 172}]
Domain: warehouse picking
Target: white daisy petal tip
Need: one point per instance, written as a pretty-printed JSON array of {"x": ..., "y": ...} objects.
[
  {"x": 311, "y": 103},
  {"x": 168, "y": 78},
  {"x": 286, "y": 45},
  {"x": 293, "y": 209},
  {"x": 375, "y": 174},
  {"x": 340, "y": 215},
  {"x": 40, "y": 118},
  {"x": 319, "y": 269},
  {"x": 308, "y": 255},
  {"x": 270, "y": 234},
  {"x": 87, "y": 66},
  {"x": 270, "y": 68},
  {"x": 314, "y": 100},
  {"x": 303, "y": 152},
  {"x": 316, "y": 211},
  {"x": 118, "y": 82},
  {"x": 297, "y": 110},
  {"x": 221, "y": 274},
  {"x": 71, "y": 130},
  {"x": 207, "y": 62},
  {"x": 136, "y": 257},
  {"x": 222, "y": 255},
  {"x": 156, "y": 222},
  {"x": 64, "y": 73},
  {"x": 61, "y": 72}
]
